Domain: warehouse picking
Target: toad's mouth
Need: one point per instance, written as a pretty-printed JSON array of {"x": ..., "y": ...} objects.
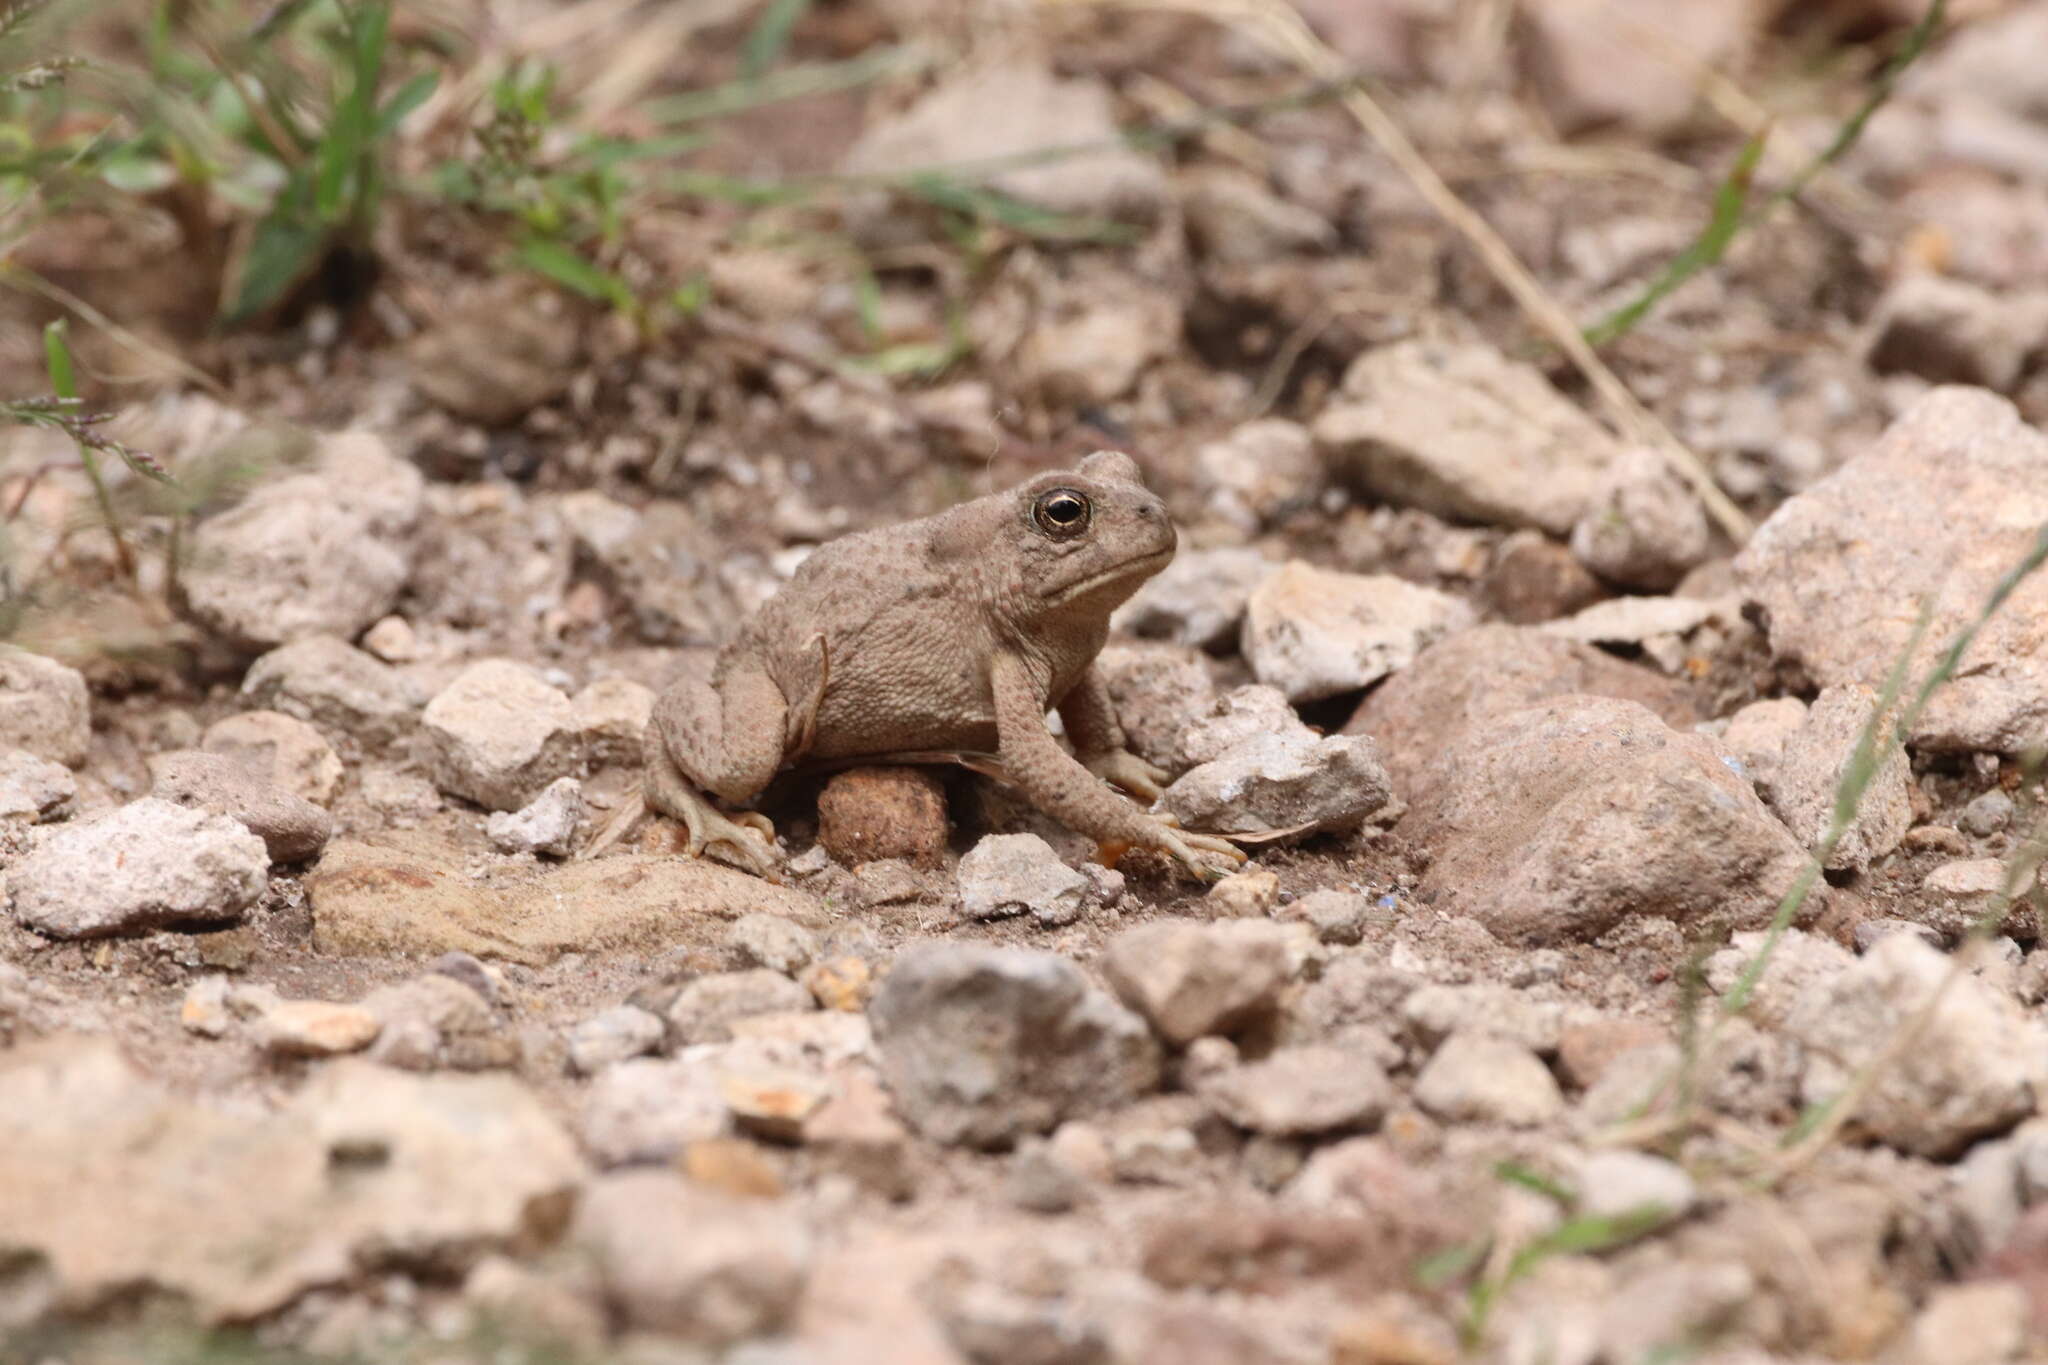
[{"x": 1142, "y": 567}]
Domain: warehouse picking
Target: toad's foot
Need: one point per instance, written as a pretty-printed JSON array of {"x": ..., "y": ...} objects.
[
  {"x": 749, "y": 836},
  {"x": 1196, "y": 852},
  {"x": 1122, "y": 768}
]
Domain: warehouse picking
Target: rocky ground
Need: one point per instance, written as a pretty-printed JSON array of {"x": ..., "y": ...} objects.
[{"x": 317, "y": 1037}]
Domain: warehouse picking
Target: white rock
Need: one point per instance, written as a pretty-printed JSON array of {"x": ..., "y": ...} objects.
[
  {"x": 1003, "y": 108},
  {"x": 1259, "y": 473},
  {"x": 498, "y": 735},
  {"x": 613, "y": 715},
  {"x": 33, "y": 789},
  {"x": 1461, "y": 431},
  {"x": 1014, "y": 874},
  {"x": 706, "y": 1009},
  {"x": 773, "y": 941},
  {"x": 547, "y": 824},
  {"x": 1481, "y": 1078},
  {"x": 44, "y": 707},
  {"x": 1971, "y": 1324},
  {"x": 687, "y": 1262},
  {"x": 1290, "y": 780},
  {"x": 1239, "y": 715},
  {"x": 148, "y": 865},
  {"x": 613, "y": 1036},
  {"x": 325, "y": 552},
  {"x": 1618, "y": 1182},
  {"x": 1757, "y": 735},
  {"x": 1314, "y": 633},
  {"x": 647, "y": 1109},
  {"x": 1975, "y": 1069}
]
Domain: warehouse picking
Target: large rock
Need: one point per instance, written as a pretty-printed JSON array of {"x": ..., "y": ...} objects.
[
  {"x": 324, "y": 552},
  {"x": 1841, "y": 570},
  {"x": 1314, "y": 633},
  {"x": 331, "y": 684},
  {"x": 983, "y": 1045},
  {"x": 1005, "y": 108},
  {"x": 1465, "y": 683},
  {"x": 685, "y": 1261},
  {"x": 148, "y": 865},
  {"x": 292, "y": 828},
  {"x": 1189, "y": 980},
  {"x": 413, "y": 895},
  {"x": 1977, "y": 1067},
  {"x": 1570, "y": 816},
  {"x": 1302, "y": 1092},
  {"x": 1461, "y": 431},
  {"x": 498, "y": 735},
  {"x": 44, "y": 707},
  {"x": 113, "y": 1188}
]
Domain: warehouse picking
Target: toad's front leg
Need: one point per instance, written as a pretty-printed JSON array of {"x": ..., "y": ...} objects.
[{"x": 1058, "y": 784}]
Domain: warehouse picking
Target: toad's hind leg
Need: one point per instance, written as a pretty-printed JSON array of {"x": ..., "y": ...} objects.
[{"x": 726, "y": 740}]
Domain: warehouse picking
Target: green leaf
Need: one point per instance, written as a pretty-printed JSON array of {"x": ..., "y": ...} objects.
[
  {"x": 770, "y": 35},
  {"x": 573, "y": 272},
  {"x": 1514, "y": 1173},
  {"x": 57, "y": 355},
  {"x": 410, "y": 96},
  {"x": 285, "y": 249},
  {"x": 135, "y": 174},
  {"x": 341, "y": 150}
]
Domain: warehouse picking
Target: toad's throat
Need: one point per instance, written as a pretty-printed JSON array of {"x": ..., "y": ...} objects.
[{"x": 1131, "y": 570}]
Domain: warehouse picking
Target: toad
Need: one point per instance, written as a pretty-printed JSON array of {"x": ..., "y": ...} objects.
[{"x": 944, "y": 639}]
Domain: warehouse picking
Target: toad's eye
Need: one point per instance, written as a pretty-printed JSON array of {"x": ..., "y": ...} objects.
[{"x": 1061, "y": 513}]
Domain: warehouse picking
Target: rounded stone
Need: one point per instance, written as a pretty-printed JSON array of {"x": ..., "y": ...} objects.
[{"x": 867, "y": 814}]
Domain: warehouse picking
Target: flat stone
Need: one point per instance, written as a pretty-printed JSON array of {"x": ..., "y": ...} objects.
[
  {"x": 1302, "y": 1091},
  {"x": 116, "y": 1188},
  {"x": 316, "y": 1028},
  {"x": 1461, "y": 431},
  {"x": 412, "y": 894}
]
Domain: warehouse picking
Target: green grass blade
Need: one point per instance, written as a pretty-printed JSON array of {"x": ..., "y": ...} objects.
[
  {"x": 409, "y": 97},
  {"x": 552, "y": 260},
  {"x": 341, "y": 150},
  {"x": 778, "y": 87},
  {"x": 770, "y": 36},
  {"x": 1706, "y": 249},
  {"x": 283, "y": 251},
  {"x": 57, "y": 356},
  {"x": 1730, "y": 215}
]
